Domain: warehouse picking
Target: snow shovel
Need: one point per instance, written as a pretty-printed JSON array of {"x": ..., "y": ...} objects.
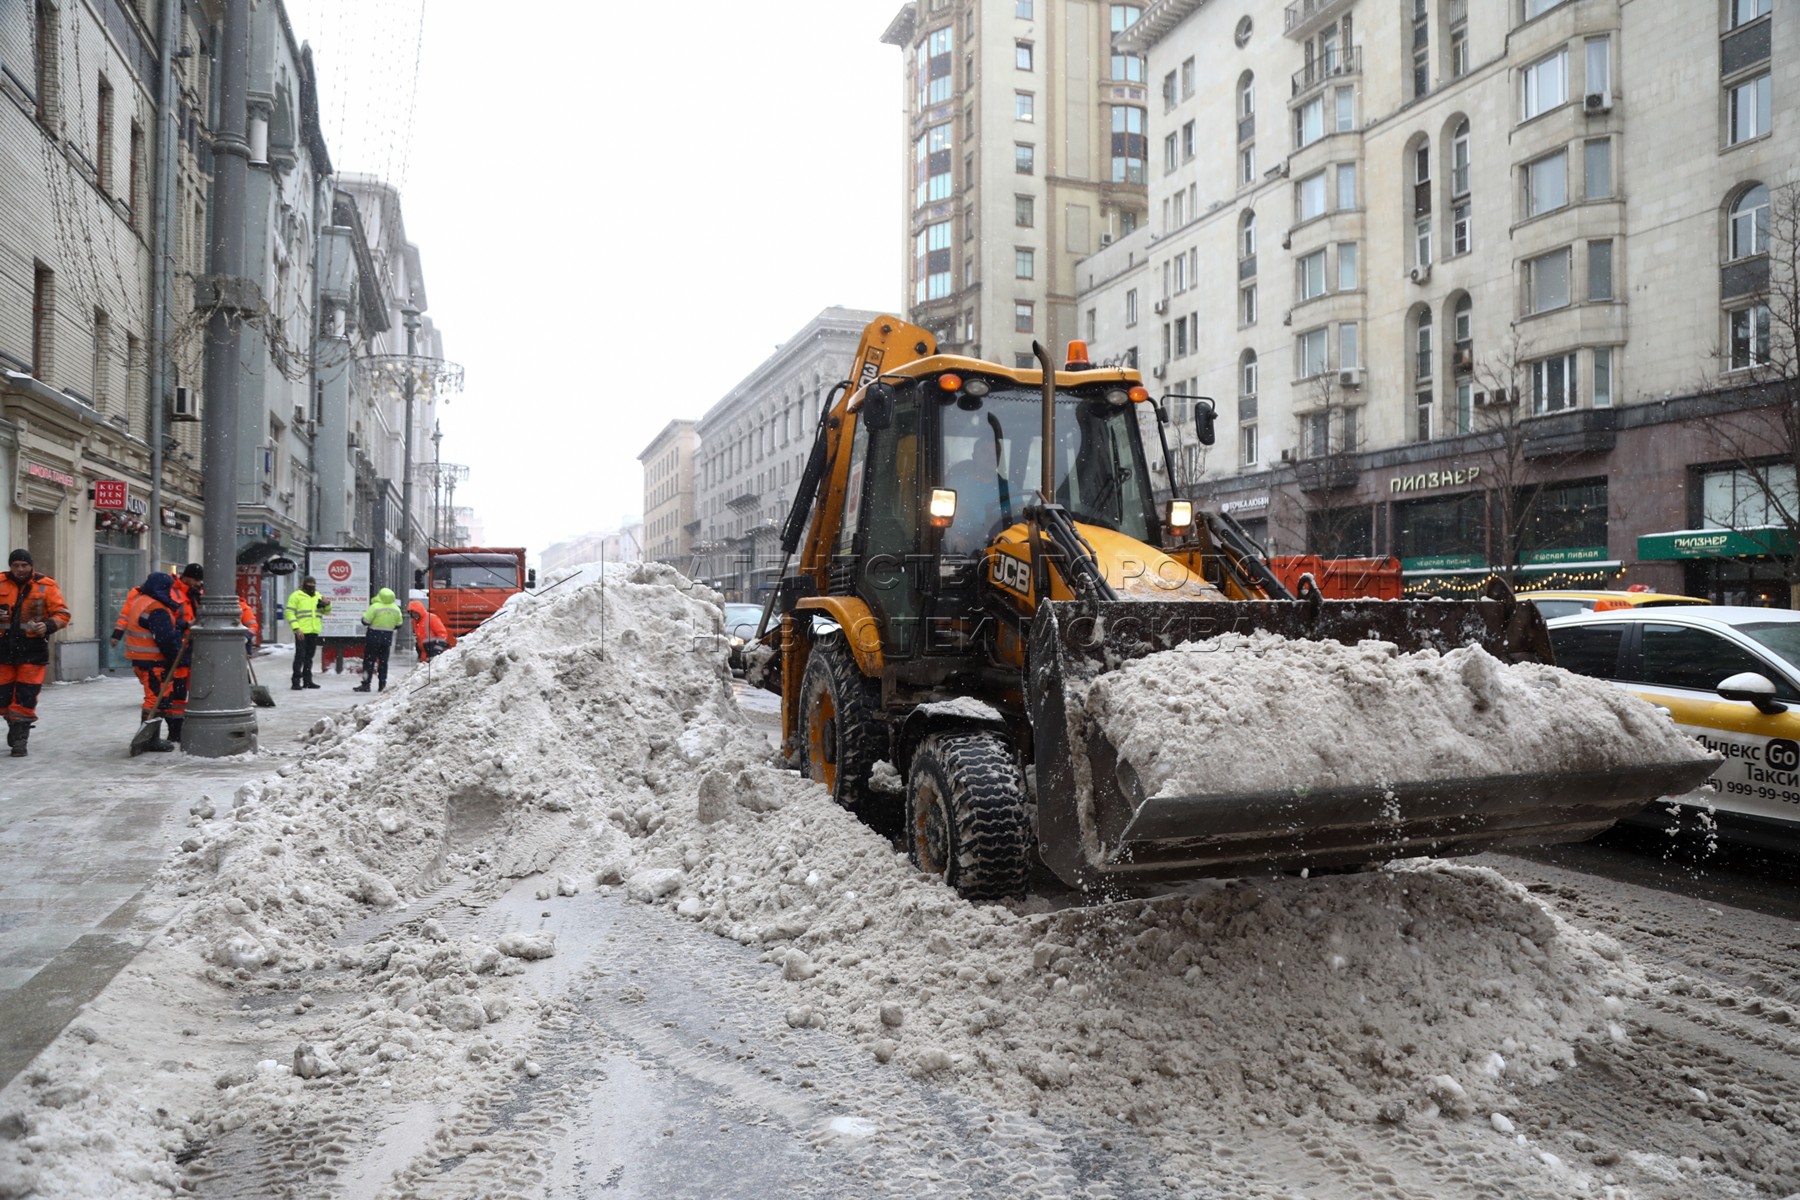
[
  {"x": 140, "y": 741},
  {"x": 259, "y": 693}
]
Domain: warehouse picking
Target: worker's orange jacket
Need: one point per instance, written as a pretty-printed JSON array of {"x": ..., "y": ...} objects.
[{"x": 37, "y": 599}]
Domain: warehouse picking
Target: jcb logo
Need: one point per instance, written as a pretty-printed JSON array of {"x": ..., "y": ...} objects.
[{"x": 1013, "y": 574}]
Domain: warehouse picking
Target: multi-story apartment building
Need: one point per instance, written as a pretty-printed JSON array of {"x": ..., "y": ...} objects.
[
  {"x": 669, "y": 494},
  {"x": 98, "y": 184},
  {"x": 1471, "y": 284},
  {"x": 753, "y": 447},
  {"x": 1027, "y": 148},
  {"x": 378, "y": 440}
]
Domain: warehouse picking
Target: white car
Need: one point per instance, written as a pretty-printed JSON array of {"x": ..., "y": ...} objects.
[{"x": 1730, "y": 677}]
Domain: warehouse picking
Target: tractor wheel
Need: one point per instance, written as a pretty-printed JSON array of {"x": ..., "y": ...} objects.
[
  {"x": 841, "y": 738},
  {"x": 965, "y": 814}
]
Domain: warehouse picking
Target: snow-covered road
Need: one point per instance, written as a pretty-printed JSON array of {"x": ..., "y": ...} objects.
[{"x": 562, "y": 929}]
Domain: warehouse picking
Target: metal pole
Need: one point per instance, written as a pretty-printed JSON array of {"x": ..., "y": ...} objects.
[
  {"x": 161, "y": 265},
  {"x": 406, "y": 480},
  {"x": 437, "y": 483},
  {"x": 220, "y": 720}
]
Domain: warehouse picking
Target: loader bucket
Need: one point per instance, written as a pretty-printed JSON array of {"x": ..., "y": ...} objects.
[{"x": 1099, "y": 825}]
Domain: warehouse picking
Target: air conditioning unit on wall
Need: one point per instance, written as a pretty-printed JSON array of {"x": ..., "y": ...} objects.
[
  {"x": 1350, "y": 377},
  {"x": 1597, "y": 102},
  {"x": 1159, "y": 372},
  {"x": 183, "y": 406},
  {"x": 1161, "y": 306}
]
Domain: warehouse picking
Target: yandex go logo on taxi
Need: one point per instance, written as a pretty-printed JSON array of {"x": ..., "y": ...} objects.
[{"x": 1774, "y": 761}]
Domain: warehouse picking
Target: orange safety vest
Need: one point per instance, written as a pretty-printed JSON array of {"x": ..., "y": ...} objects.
[{"x": 140, "y": 643}]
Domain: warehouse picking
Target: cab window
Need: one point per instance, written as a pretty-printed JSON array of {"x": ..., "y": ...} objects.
[
  {"x": 1680, "y": 657},
  {"x": 1558, "y": 608},
  {"x": 1588, "y": 649}
]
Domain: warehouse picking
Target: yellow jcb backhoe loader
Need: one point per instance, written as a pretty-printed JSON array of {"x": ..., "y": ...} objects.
[{"x": 979, "y": 544}]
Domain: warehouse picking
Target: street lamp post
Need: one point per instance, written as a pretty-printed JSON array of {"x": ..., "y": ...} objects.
[
  {"x": 220, "y": 721},
  {"x": 406, "y": 482}
]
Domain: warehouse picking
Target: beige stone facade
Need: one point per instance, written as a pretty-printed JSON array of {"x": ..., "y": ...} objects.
[
  {"x": 669, "y": 525},
  {"x": 1384, "y": 235},
  {"x": 1025, "y": 142}
]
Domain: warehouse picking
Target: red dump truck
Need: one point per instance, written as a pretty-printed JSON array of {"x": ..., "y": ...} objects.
[{"x": 467, "y": 584}]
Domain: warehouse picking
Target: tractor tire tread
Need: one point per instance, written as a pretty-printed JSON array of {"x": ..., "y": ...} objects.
[
  {"x": 990, "y": 851},
  {"x": 860, "y": 735}
]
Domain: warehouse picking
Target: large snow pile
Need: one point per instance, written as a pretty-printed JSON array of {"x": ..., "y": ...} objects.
[
  {"x": 1259, "y": 712},
  {"x": 540, "y": 747}
]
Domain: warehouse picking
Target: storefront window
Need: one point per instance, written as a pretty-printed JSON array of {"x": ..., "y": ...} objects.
[
  {"x": 1562, "y": 522},
  {"x": 1442, "y": 527},
  {"x": 1749, "y": 499},
  {"x": 1341, "y": 532}
]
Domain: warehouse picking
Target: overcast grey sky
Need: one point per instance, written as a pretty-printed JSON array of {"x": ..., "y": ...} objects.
[{"x": 621, "y": 208}]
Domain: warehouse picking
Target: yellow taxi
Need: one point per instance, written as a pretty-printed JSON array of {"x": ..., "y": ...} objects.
[
  {"x": 1562, "y": 603},
  {"x": 1729, "y": 677}
]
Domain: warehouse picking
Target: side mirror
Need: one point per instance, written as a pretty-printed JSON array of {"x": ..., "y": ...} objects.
[
  {"x": 1752, "y": 688},
  {"x": 531, "y": 580},
  {"x": 1203, "y": 422},
  {"x": 878, "y": 405},
  {"x": 419, "y": 580}
]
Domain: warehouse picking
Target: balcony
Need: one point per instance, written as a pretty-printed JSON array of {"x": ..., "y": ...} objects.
[
  {"x": 1315, "y": 74},
  {"x": 1572, "y": 433},
  {"x": 1304, "y": 17}
]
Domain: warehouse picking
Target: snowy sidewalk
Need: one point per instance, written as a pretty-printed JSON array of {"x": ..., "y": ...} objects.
[{"x": 84, "y": 827}]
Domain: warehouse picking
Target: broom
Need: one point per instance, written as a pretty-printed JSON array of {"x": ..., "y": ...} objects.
[{"x": 259, "y": 693}]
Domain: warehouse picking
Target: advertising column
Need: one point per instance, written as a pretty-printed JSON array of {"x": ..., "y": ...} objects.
[{"x": 343, "y": 575}]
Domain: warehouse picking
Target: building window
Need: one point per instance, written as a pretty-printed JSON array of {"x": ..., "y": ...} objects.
[
  {"x": 1603, "y": 377},
  {"x": 1553, "y": 383},
  {"x": 1346, "y": 186},
  {"x": 137, "y": 166},
  {"x": 102, "y": 359},
  {"x": 932, "y": 155},
  {"x": 1247, "y": 306},
  {"x": 1596, "y": 182},
  {"x": 1749, "y": 328},
  {"x": 1022, "y": 9},
  {"x": 1422, "y": 241},
  {"x": 1348, "y": 273},
  {"x": 1546, "y": 84},
  {"x": 1309, "y": 122},
  {"x": 1024, "y": 212},
  {"x": 1547, "y": 282},
  {"x": 1349, "y": 345},
  {"x": 1022, "y": 106},
  {"x": 1465, "y": 406},
  {"x": 1600, "y": 270},
  {"x": 1309, "y": 197},
  {"x": 1024, "y": 159},
  {"x": 1022, "y": 55},
  {"x": 931, "y": 262},
  {"x": 1171, "y": 154},
  {"x": 1131, "y": 308},
  {"x": 1421, "y": 48},
  {"x": 1124, "y": 16},
  {"x": 1422, "y": 416},
  {"x": 1129, "y": 145},
  {"x": 1599, "y": 67},
  {"x": 1747, "y": 114},
  {"x": 935, "y": 85},
  {"x": 103, "y": 137},
  {"x": 1461, "y": 228},
  {"x": 1024, "y": 263},
  {"x": 1462, "y": 333},
  {"x": 1537, "y": 8},
  {"x": 1459, "y": 160},
  {"x": 1310, "y": 357},
  {"x": 1022, "y": 316},
  {"x": 1344, "y": 111},
  {"x": 48, "y": 50},
  {"x": 1247, "y": 445},
  {"x": 1310, "y": 272},
  {"x": 1168, "y": 91},
  {"x": 1315, "y": 434},
  {"x": 1422, "y": 348},
  {"x": 1093, "y": 323},
  {"x": 1187, "y": 79},
  {"x": 1246, "y": 166},
  {"x": 1459, "y": 39},
  {"x": 1128, "y": 68},
  {"x": 43, "y": 322},
  {"x": 1246, "y": 96},
  {"x": 1742, "y": 12},
  {"x": 1247, "y": 240},
  {"x": 1750, "y": 223},
  {"x": 1247, "y": 375},
  {"x": 1547, "y": 183}
]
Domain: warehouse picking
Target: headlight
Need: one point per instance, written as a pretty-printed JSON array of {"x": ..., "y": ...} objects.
[{"x": 737, "y": 641}]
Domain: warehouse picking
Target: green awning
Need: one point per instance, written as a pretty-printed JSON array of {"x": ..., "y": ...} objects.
[{"x": 1716, "y": 543}]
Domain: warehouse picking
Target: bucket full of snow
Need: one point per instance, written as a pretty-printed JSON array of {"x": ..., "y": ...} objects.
[{"x": 1211, "y": 739}]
